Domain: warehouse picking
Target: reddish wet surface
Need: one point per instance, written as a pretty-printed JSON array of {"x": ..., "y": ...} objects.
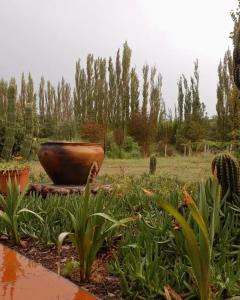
[{"x": 23, "y": 279}]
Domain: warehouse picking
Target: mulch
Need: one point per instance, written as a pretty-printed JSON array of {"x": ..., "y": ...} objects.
[{"x": 102, "y": 283}]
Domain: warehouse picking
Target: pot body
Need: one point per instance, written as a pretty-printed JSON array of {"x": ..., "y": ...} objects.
[
  {"x": 70, "y": 163},
  {"x": 22, "y": 178}
]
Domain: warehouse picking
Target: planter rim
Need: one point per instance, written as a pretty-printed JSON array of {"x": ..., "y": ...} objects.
[
  {"x": 71, "y": 144},
  {"x": 26, "y": 168}
]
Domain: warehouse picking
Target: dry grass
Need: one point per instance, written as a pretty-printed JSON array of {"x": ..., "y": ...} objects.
[{"x": 188, "y": 169}]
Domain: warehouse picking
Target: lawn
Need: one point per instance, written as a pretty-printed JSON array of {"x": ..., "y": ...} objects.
[{"x": 187, "y": 169}]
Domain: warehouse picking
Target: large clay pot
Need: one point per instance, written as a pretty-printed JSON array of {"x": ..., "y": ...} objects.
[
  {"x": 69, "y": 163},
  {"x": 21, "y": 176}
]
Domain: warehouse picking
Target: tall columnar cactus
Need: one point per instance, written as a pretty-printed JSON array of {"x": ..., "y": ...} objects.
[
  {"x": 227, "y": 170},
  {"x": 236, "y": 55},
  {"x": 153, "y": 165},
  {"x": 10, "y": 125},
  {"x": 28, "y": 138}
]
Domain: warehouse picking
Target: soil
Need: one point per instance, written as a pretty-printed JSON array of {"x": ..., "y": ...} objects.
[{"x": 102, "y": 284}]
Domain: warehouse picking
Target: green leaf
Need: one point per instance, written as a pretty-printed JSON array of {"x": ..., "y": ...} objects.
[
  {"x": 26, "y": 210},
  {"x": 5, "y": 218}
]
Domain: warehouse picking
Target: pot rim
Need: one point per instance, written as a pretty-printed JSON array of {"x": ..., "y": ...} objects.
[
  {"x": 71, "y": 144},
  {"x": 14, "y": 171}
]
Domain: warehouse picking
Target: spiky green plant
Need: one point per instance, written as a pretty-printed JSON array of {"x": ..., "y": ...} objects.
[
  {"x": 153, "y": 165},
  {"x": 199, "y": 243},
  {"x": 12, "y": 210},
  {"x": 11, "y": 117},
  {"x": 91, "y": 226},
  {"x": 227, "y": 170}
]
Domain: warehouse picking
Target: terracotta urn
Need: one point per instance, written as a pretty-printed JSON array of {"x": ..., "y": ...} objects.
[
  {"x": 68, "y": 163},
  {"x": 21, "y": 176}
]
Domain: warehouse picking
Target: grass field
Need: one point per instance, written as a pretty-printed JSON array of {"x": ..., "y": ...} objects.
[{"x": 188, "y": 169}]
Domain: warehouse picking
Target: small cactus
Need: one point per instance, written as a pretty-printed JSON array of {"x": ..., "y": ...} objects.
[
  {"x": 153, "y": 165},
  {"x": 227, "y": 170}
]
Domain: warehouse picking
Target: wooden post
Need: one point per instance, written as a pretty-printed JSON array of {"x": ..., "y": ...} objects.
[
  {"x": 205, "y": 149},
  {"x": 185, "y": 150}
]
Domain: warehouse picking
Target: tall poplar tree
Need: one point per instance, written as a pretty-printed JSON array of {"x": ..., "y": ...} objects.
[
  {"x": 77, "y": 95},
  {"x": 155, "y": 96},
  {"x": 112, "y": 91},
  {"x": 90, "y": 87},
  {"x": 134, "y": 92},
  {"x": 180, "y": 101},
  {"x": 118, "y": 109},
  {"x": 145, "y": 91},
  {"x": 126, "y": 62}
]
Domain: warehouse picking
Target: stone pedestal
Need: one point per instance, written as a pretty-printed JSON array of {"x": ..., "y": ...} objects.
[{"x": 64, "y": 190}]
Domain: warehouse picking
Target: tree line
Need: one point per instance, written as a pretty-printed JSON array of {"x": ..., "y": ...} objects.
[{"x": 110, "y": 102}]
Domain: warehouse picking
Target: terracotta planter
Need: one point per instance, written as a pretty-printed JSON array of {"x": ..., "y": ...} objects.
[
  {"x": 22, "y": 177},
  {"x": 69, "y": 163}
]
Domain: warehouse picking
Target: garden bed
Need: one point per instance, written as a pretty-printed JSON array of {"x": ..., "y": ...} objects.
[
  {"x": 102, "y": 284},
  {"x": 152, "y": 258}
]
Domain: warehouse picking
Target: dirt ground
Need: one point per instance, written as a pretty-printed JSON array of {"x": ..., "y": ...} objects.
[{"x": 101, "y": 284}]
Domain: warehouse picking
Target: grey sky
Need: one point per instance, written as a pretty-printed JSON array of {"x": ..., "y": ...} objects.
[{"x": 46, "y": 37}]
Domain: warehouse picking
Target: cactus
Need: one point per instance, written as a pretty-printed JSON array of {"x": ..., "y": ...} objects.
[
  {"x": 227, "y": 170},
  {"x": 28, "y": 139},
  {"x": 11, "y": 117},
  {"x": 153, "y": 165}
]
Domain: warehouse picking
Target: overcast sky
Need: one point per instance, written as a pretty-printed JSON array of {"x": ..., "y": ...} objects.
[{"x": 46, "y": 37}]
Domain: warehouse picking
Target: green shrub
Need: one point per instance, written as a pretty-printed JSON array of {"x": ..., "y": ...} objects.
[{"x": 128, "y": 150}]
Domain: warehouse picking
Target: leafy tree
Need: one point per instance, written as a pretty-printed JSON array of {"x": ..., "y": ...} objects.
[
  {"x": 145, "y": 90},
  {"x": 126, "y": 62},
  {"x": 118, "y": 109},
  {"x": 112, "y": 91},
  {"x": 180, "y": 100},
  {"x": 134, "y": 92},
  {"x": 89, "y": 88},
  {"x": 77, "y": 95}
]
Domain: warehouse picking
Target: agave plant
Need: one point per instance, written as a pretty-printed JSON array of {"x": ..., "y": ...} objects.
[
  {"x": 90, "y": 228},
  {"x": 11, "y": 210}
]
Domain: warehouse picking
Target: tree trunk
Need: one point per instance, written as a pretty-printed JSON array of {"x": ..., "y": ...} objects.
[
  {"x": 205, "y": 149},
  {"x": 189, "y": 150},
  {"x": 165, "y": 150}
]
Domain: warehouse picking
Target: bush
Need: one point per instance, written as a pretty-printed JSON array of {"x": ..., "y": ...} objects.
[
  {"x": 92, "y": 132},
  {"x": 129, "y": 148},
  {"x": 142, "y": 130}
]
